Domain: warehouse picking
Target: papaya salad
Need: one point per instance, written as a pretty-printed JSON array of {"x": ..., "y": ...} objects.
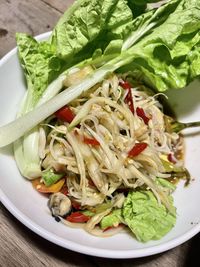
[
  {"x": 91, "y": 132},
  {"x": 110, "y": 160}
]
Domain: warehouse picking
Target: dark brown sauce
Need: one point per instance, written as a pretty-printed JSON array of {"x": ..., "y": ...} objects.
[
  {"x": 174, "y": 180},
  {"x": 179, "y": 153}
]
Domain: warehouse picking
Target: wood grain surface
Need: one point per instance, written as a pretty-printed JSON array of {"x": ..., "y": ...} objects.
[{"x": 18, "y": 245}]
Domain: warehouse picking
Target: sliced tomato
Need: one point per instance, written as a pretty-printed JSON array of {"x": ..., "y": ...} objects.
[
  {"x": 91, "y": 141},
  {"x": 140, "y": 112},
  {"x": 42, "y": 188},
  {"x": 112, "y": 227},
  {"x": 137, "y": 149},
  {"x": 65, "y": 114},
  {"x": 77, "y": 217}
]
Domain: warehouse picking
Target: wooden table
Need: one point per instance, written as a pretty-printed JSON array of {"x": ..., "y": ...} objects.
[{"x": 18, "y": 245}]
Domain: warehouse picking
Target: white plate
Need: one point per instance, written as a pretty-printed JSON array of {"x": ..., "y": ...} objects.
[{"x": 30, "y": 207}]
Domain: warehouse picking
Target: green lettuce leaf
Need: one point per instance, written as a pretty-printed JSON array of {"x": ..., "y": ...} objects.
[
  {"x": 119, "y": 24},
  {"x": 85, "y": 27},
  {"x": 88, "y": 25},
  {"x": 89, "y": 29},
  {"x": 40, "y": 65},
  {"x": 145, "y": 23},
  {"x": 146, "y": 218},
  {"x": 112, "y": 220},
  {"x": 164, "y": 58}
]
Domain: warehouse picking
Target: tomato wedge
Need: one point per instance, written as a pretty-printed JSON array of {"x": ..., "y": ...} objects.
[
  {"x": 65, "y": 114},
  {"x": 77, "y": 217},
  {"x": 137, "y": 149},
  {"x": 140, "y": 112},
  {"x": 42, "y": 188},
  {"x": 91, "y": 141},
  {"x": 112, "y": 227}
]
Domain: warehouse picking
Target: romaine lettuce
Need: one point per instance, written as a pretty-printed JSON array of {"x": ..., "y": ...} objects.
[
  {"x": 167, "y": 57},
  {"x": 40, "y": 64}
]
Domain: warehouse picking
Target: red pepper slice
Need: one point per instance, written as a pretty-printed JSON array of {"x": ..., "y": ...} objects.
[
  {"x": 140, "y": 112},
  {"x": 65, "y": 114},
  {"x": 128, "y": 99},
  {"x": 137, "y": 149},
  {"x": 125, "y": 85},
  {"x": 87, "y": 140},
  {"x": 77, "y": 217},
  {"x": 91, "y": 141}
]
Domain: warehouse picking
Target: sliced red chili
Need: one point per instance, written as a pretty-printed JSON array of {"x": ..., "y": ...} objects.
[
  {"x": 125, "y": 85},
  {"x": 140, "y": 112},
  {"x": 65, "y": 114},
  {"x": 137, "y": 149},
  {"x": 91, "y": 141},
  {"x": 77, "y": 217},
  {"x": 128, "y": 99}
]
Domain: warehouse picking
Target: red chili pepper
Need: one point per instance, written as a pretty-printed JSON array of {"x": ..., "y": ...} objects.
[
  {"x": 128, "y": 99},
  {"x": 140, "y": 112},
  {"x": 77, "y": 217},
  {"x": 65, "y": 114},
  {"x": 91, "y": 141},
  {"x": 125, "y": 85},
  {"x": 137, "y": 149}
]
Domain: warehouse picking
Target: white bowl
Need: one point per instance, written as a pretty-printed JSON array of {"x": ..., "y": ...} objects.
[{"x": 30, "y": 207}]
